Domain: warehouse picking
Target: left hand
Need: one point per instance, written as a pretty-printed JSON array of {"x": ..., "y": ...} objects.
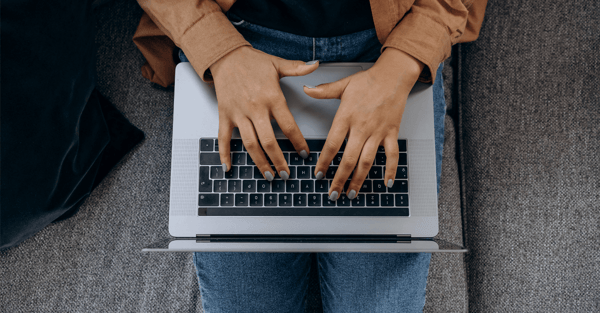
[{"x": 371, "y": 108}]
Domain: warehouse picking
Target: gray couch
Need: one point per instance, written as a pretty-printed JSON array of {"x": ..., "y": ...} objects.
[{"x": 520, "y": 182}]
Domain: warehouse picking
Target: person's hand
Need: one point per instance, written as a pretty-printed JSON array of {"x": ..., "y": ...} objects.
[
  {"x": 371, "y": 108},
  {"x": 249, "y": 95}
]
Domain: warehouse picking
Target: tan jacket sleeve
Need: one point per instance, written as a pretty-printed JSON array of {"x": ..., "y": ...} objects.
[
  {"x": 198, "y": 27},
  {"x": 430, "y": 28}
]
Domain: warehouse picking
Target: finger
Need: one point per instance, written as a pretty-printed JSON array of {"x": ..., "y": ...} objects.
[
  {"x": 290, "y": 129},
  {"x": 265, "y": 133},
  {"x": 328, "y": 91},
  {"x": 362, "y": 169},
  {"x": 332, "y": 146},
  {"x": 294, "y": 68},
  {"x": 253, "y": 147},
  {"x": 350, "y": 157},
  {"x": 391, "y": 158},
  {"x": 225, "y": 130}
]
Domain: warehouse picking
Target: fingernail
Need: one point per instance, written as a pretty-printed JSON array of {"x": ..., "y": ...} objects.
[
  {"x": 309, "y": 86},
  {"x": 319, "y": 175},
  {"x": 268, "y": 176},
  {"x": 334, "y": 196},
  {"x": 284, "y": 175},
  {"x": 224, "y": 167},
  {"x": 390, "y": 183},
  {"x": 352, "y": 194},
  {"x": 312, "y": 62},
  {"x": 303, "y": 154}
]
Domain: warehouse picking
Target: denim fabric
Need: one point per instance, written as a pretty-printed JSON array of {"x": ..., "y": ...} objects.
[{"x": 350, "y": 282}]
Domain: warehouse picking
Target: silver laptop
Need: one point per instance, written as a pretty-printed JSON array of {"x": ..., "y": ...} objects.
[{"x": 239, "y": 211}]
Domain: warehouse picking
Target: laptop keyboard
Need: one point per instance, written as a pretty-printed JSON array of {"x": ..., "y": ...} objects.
[{"x": 242, "y": 191}]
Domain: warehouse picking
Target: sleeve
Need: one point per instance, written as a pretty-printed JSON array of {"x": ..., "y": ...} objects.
[
  {"x": 198, "y": 27},
  {"x": 430, "y": 28}
]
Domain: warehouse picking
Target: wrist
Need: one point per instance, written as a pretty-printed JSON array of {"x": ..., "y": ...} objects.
[
  {"x": 400, "y": 62},
  {"x": 223, "y": 60}
]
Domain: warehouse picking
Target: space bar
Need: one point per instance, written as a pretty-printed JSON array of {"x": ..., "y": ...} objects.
[{"x": 246, "y": 211}]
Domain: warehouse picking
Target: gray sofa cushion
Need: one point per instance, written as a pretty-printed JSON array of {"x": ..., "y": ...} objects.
[{"x": 529, "y": 135}]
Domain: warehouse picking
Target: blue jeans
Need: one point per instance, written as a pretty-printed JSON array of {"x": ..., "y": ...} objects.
[{"x": 350, "y": 282}]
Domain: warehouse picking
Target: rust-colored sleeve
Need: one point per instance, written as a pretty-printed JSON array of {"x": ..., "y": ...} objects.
[
  {"x": 430, "y": 28},
  {"x": 198, "y": 27}
]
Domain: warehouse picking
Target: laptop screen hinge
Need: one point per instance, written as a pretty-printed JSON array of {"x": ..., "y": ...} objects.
[{"x": 303, "y": 238}]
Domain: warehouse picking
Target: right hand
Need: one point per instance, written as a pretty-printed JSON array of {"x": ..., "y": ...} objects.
[{"x": 249, "y": 95}]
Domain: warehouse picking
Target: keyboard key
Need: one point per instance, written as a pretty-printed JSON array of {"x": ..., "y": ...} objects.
[
  {"x": 402, "y": 145},
  {"x": 249, "y": 160},
  {"x": 249, "y": 185},
  {"x": 292, "y": 172},
  {"x": 216, "y": 172},
  {"x": 217, "y": 145},
  {"x": 331, "y": 172},
  {"x": 346, "y": 185},
  {"x": 285, "y": 145},
  {"x": 401, "y": 172},
  {"x": 380, "y": 159},
  {"x": 401, "y": 200},
  {"x": 327, "y": 202},
  {"x": 299, "y": 200},
  {"x": 359, "y": 201},
  {"x": 402, "y": 159},
  {"x": 256, "y": 199},
  {"x": 208, "y": 158},
  {"x": 292, "y": 186},
  {"x": 206, "y": 144},
  {"x": 379, "y": 186},
  {"x": 246, "y": 172},
  {"x": 257, "y": 173},
  {"x": 303, "y": 172},
  {"x": 205, "y": 182},
  {"x": 343, "y": 147},
  {"x": 220, "y": 186},
  {"x": 236, "y": 145},
  {"x": 234, "y": 186},
  {"x": 270, "y": 199},
  {"x": 285, "y": 199},
  {"x": 381, "y": 149},
  {"x": 296, "y": 159},
  {"x": 337, "y": 159},
  {"x": 314, "y": 199},
  {"x": 343, "y": 200},
  {"x": 263, "y": 186},
  {"x": 399, "y": 186},
  {"x": 376, "y": 172},
  {"x": 307, "y": 186},
  {"x": 238, "y": 158},
  {"x": 241, "y": 200},
  {"x": 315, "y": 145},
  {"x": 321, "y": 186},
  {"x": 367, "y": 186},
  {"x": 311, "y": 160},
  {"x": 278, "y": 185},
  {"x": 232, "y": 173},
  {"x": 208, "y": 199},
  {"x": 387, "y": 199},
  {"x": 372, "y": 199},
  {"x": 227, "y": 199}
]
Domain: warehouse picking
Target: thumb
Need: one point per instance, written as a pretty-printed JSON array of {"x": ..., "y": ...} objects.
[
  {"x": 333, "y": 90},
  {"x": 294, "y": 68}
]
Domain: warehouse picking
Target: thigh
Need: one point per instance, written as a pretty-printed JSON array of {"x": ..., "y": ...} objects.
[
  {"x": 252, "y": 282},
  {"x": 373, "y": 282}
]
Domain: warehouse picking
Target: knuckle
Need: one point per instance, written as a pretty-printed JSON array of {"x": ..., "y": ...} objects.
[
  {"x": 365, "y": 163},
  {"x": 251, "y": 145},
  {"x": 268, "y": 143},
  {"x": 330, "y": 145}
]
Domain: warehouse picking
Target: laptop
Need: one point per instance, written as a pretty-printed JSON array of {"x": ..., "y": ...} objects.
[{"x": 239, "y": 211}]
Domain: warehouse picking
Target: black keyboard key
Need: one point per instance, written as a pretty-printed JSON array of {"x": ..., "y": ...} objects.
[
  {"x": 331, "y": 172},
  {"x": 206, "y": 144},
  {"x": 346, "y": 185},
  {"x": 337, "y": 159},
  {"x": 387, "y": 199},
  {"x": 367, "y": 186},
  {"x": 285, "y": 145},
  {"x": 380, "y": 159},
  {"x": 234, "y": 186},
  {"x": 208, "y": 199},
  {"x": 209, "y": 158},
  {"x": 326, "y": 201},
  {"x": 399, "y": 186},
  {"x": 343, "y": 147},
  {"x": 236, "y": 145},
  {"x": 278, "y": 185},
  {"x": 285, "y": 199},
  {"x": 256, "y": 199},
  {"x": 238, "y": 158},
  {"x": 401, "y": 200},
  {"x": 249, "y": 185},
  {"x": 359, "y": 201},
  {"x": 321, "y": 186},
  {"x": 372, "y": 199},
  {"x": 292, "y": 172},
  {"x": 216, "y": 172},
  {"x": 311, "y": 160},
  {"x": 263, "y": 186},
  {"x": 401, "y": 172},
  {"x": 270, "y": 199},
  {"x": 402, "y": 145},
  {"x": 286, "y": 156},
  {"x": 299, "y": 200},
  {"x": 314, "y": 199},
  {"x": 315, "y": 145},
  {"x": 241, "y": 200},
  {"x": 307, "y": 186},
  {"x": 227, "y": 199},
  {"x": 249, "y": 160},
  {"x": 246, "y": 172},
  {"x": 296, "y": 159},
  {"x": 343, "y": 200},
  {"x": 303, "y": 172},
  {"x": 216, "y": 144},
  {"x": 220, "y": 186},
  {"x": 205, "y": 183},
  {"x": 292, "y": 186},
  {"x": 257, "y": 173},
  {"x": 376, "y": 172},
  {"x": 402, "y": 159},
  {"x": 232, "y": 173},
  {"x": 379, "y": 186},
  {"x": 381, "y": 149}
]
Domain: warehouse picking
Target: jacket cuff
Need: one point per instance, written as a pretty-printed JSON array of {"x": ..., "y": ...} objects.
[
  {"x": 422, "y": 38},
  {"x": 208, "y": 40}
]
